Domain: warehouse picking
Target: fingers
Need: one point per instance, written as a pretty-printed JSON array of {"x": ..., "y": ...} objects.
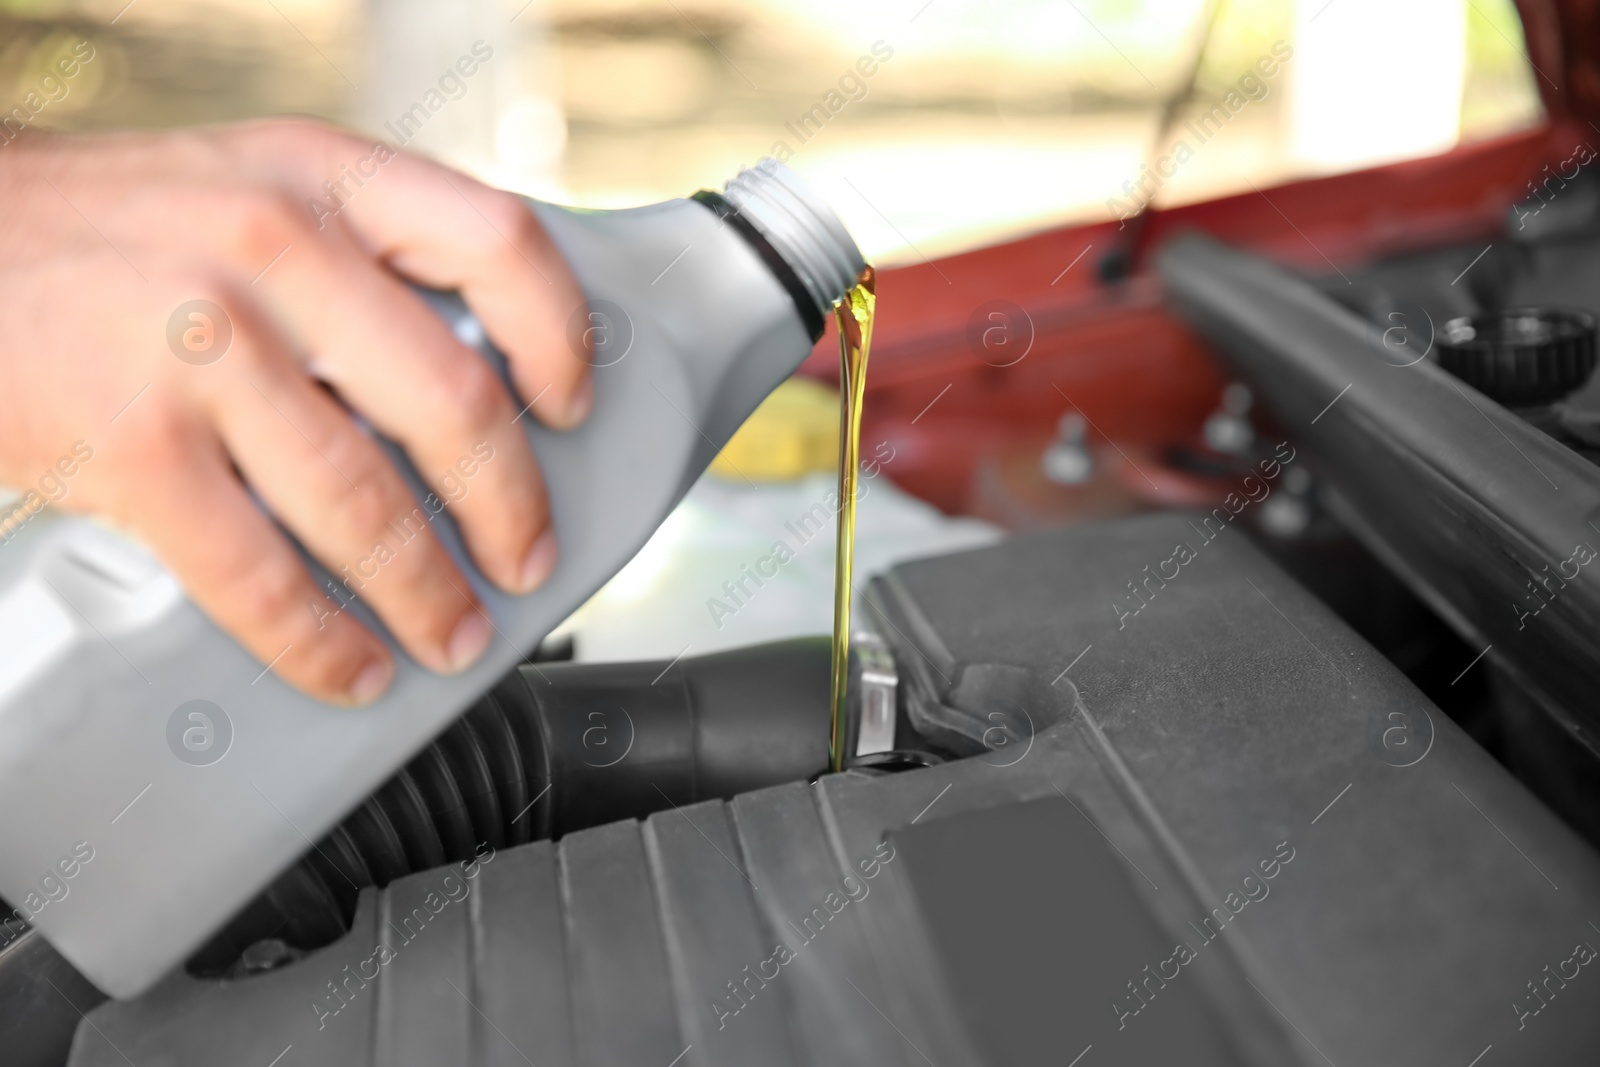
[
  {"x": 334, "y": 489},
  {"x": 395, "y": 361},
  {"x": 449, "y": 231},
  {"x": 445, "y": 230},
  {"x": 243, "y": 573},
  {"x": 316, "y": 284}
]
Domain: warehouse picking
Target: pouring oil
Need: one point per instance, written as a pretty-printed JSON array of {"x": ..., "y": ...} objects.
[{"x": 853, "y": 314}]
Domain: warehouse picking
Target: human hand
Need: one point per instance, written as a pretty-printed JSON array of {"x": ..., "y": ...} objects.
[{"x": 108, "y": 243}]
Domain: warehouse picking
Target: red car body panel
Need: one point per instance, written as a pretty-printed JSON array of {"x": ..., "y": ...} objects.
[{"x": 1112, "y": 351}]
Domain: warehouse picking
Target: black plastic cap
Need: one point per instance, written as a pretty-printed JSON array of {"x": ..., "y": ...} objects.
[{"x": 1521, "y": 356}]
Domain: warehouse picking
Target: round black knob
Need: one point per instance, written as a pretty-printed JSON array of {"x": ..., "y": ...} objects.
[{"x": 1521, "y": 356}]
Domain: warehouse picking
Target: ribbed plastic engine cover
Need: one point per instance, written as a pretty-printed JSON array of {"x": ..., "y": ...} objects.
[{"x": 1226, "y": 785}]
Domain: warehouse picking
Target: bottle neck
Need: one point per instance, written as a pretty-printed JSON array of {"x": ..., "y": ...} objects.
[{"x": 795, "y": 233}]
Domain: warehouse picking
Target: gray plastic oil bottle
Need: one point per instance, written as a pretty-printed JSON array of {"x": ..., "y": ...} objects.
[{"x": 153, "y": 777}]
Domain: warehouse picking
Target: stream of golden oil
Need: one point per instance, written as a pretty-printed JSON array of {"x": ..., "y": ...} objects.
[{"x": 854, "y": 317}]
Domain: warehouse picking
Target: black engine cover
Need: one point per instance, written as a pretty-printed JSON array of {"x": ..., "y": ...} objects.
[{"x": 1238, "y": 834}]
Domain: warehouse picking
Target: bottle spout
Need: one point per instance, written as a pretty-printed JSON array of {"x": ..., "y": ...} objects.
[{"x": 796, "y": 233}]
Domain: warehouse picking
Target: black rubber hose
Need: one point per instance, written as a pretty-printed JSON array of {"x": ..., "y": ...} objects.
[
  {"x": 622, "y": 740},
  {"x": 554, "y": 748}
]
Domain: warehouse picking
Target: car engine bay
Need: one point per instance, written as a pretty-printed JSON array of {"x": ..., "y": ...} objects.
[{"x": 1303, "y": 773}]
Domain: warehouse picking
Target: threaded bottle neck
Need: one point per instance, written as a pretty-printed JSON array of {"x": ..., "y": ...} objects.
[{"x": 802, "y": 230}]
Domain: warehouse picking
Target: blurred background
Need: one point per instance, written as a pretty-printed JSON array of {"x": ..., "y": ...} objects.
[
  {"x": 931, "y": 126},
  {"x": 979, "y": 120}
]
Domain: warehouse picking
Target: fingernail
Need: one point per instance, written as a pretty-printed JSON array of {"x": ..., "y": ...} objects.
[
  {"x": 539, "y": 562},
  {"x": 470, "y": 638},
  {"x": 582, "y": 402},
  {"x": 372, "y": 681}
]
